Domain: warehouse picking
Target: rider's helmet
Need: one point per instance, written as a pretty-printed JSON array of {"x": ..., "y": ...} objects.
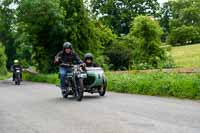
[
  {"x": 67, "y": 45},
  {"x": 16, "y": 62},
  {"x": 88, "y": 56}
]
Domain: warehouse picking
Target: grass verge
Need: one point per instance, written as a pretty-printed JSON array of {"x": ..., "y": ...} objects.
[
  {"x": 2, "y": 77},
  {"x": 45, "y": 78},
  {"x": 155, "y": 84}
]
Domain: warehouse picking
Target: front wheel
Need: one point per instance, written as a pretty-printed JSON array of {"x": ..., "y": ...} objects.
[
  {"x": 17, "y": 79},
  {"x": 64, "y": 94},
  {"x": 79, "y": 89}
]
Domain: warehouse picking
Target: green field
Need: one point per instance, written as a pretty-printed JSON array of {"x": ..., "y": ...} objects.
[{"x": 186, "y": 56}]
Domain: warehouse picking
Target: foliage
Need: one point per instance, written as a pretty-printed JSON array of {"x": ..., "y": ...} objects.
[
  {"x": 34, "y": 31},
  {"x": 118, "y": 14},
  {"x": 120, "y": 56},
  {"x": 45, "y": 78},
  {"x": 41, "y": 30},
  {"x": 7, "y": 20},
  {"x": 105, "y": 37},
  {"x": 3, "y": 58},
  {"x": 147, "y": 48},
  {"x": 40, "y": 27},
  {"x": 184, "y": 22},
  {"x": 3, "y": 77},
  {"x": 184, "y": 35},
  {"x": 166, "y": 15}
]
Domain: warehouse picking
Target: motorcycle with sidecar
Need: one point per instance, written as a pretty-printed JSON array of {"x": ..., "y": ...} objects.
[{"x": 80, "y": 80}]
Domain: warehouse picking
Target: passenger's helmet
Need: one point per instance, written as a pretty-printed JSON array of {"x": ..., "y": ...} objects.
[
  {"x": 88, "y": 56},
  {"x": 16, "y": 62},
  {"x": 67, "y": 45}
]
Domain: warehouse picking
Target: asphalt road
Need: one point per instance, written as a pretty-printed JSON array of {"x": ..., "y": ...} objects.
[{"x": 39, "y": 108}]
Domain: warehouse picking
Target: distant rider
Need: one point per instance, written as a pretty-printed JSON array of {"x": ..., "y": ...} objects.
[{"x": 16, "y": 66}]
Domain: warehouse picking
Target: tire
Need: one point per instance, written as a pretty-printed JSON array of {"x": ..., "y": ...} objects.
[
  {"x": 18, "y": 79},
  {"x": 79, "y": 90},
  {"x": 19, "y": 82},
  {"x": 102, "y": 89},
  {"x": 65, "y": 95}
]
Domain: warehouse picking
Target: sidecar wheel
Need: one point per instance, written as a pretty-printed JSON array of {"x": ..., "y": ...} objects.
[{"x": 102, "y": 89}]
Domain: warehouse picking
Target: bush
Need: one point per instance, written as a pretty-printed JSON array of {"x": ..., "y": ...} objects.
[
  {"x": 184, "y": 35},
  {"x": 120, "y": 56},
  {"x": 3, "y": 59},
  {"x": 46, "y": 78},
  {"x": 147, "y": 49}
]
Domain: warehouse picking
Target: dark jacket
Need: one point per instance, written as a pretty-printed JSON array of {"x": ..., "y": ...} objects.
[
  {"x": 14, "y": 67},
  {"x": 71, "y": 58}
]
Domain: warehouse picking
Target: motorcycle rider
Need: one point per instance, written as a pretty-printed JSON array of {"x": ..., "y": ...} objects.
[
  {"x": 88, "y": 60},
  {"x": 16, "y": 66},
  {"x": 66, "y": 56}
]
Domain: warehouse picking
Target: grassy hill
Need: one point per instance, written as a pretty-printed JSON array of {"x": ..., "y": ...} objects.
[{"x": 187, "y": 56}]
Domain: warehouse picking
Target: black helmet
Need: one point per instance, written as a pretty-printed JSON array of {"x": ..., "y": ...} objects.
[
  {"x": 88, "y": 56},
  {"x": 67, "y": 45}
]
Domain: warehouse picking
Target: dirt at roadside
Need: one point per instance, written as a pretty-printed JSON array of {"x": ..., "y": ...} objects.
[{"x": 172, "y": 70}]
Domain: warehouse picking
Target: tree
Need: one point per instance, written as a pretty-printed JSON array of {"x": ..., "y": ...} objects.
[
  {"x": 43, "y": 26},
  {"x": 80, "y": 30},
  {"x": 184, "y": 18},
  {"x": 184, "y": 35},
  {"x": 3, "y": 58},
  {"x": 40, "y": 25},
  {"x": 117, "y": 14},
  {"x": 7, "y": 20},
  {"x": 147, "y": 49},
  {"x": 166, "y": 15}
]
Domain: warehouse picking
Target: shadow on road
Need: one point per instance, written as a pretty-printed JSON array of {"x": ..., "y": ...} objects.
[
  {"x": 8, "y": 83},
  {"x": 72, "y": 99}
]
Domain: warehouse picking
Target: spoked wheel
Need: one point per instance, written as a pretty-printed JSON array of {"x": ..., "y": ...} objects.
[
  {"x": 79, "y": 89},
  {"x": 102, "y": 88}
]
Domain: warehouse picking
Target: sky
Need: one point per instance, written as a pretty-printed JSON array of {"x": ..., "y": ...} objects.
[{"x": 162, "y": 1}]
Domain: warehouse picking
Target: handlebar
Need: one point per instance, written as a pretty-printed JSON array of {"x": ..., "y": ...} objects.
[{"x": 67, "y": 65}]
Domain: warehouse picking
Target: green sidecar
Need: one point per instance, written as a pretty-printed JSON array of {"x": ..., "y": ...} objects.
[{"x": 96, "y": 81}]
